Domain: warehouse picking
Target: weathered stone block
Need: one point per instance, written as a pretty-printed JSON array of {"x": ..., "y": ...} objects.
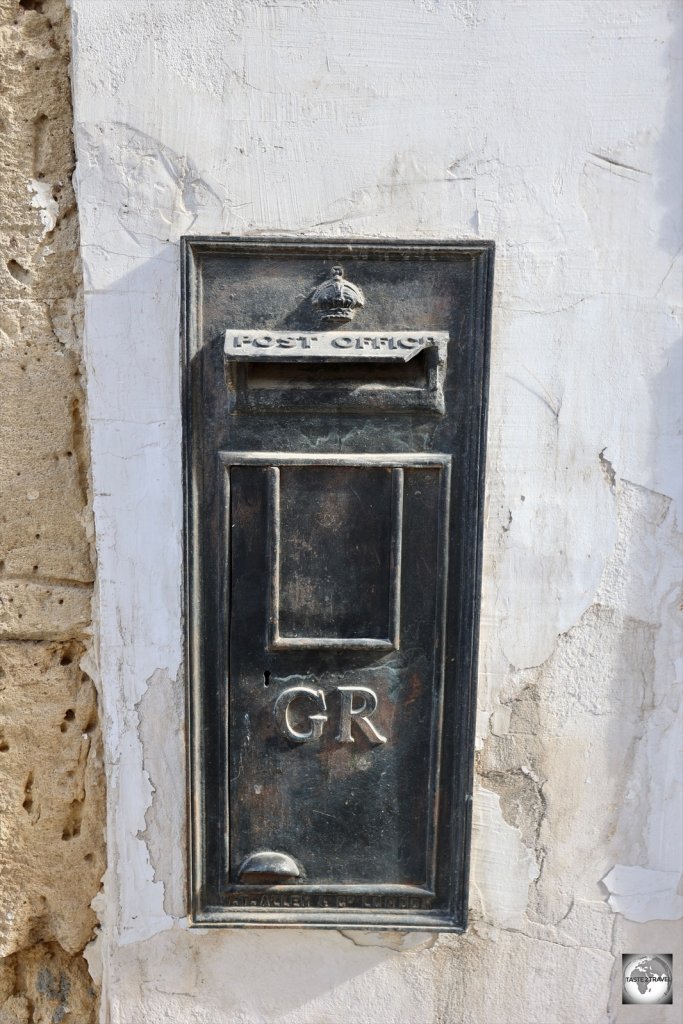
[
  {"x": 44, "y": 985},
  {"x": 43, "y": 467},
  {"x": 38, "y": 611},
  {"x": 51, "y": 796}
]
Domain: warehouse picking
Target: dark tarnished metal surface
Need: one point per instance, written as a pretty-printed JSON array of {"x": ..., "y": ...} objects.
[{"x": 334, "y": 400}]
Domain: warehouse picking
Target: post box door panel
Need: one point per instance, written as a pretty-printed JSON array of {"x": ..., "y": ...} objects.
[{"x": 335, "y": 579}]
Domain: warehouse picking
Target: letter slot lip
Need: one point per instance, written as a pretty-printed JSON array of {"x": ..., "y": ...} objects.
[
  {"x": 332, "y": 346},
  {"x": 370, "y": 371},
  {"x": 332, "y": 718}
]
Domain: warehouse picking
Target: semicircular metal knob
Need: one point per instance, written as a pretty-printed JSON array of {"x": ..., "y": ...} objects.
[{"x": 268, "y": 866}]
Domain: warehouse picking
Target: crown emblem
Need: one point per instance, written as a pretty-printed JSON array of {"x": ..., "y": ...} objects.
[{"x": 337, "y": 299}]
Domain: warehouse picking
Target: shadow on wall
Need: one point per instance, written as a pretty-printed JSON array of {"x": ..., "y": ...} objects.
[{"x": 197, "y": 974}]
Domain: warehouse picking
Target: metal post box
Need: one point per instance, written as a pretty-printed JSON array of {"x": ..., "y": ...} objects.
[{"x": 334, "y": 432}]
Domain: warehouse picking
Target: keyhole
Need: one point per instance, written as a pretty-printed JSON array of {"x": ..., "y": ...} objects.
[{"x": 266, "y": 678}]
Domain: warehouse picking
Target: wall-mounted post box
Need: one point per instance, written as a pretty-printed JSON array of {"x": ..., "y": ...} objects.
[{"x": 334, "y": 403}]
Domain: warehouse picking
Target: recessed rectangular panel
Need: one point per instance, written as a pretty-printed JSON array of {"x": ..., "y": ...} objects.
[
  {"x": 334, "y": 433},
  {"x": 336, "y": 555}
]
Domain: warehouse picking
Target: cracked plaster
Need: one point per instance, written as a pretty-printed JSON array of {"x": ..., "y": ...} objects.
[{"x": 499, "y": 119}]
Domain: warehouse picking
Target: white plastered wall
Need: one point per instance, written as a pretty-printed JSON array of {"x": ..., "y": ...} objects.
[{"x": 554, "y": 128}]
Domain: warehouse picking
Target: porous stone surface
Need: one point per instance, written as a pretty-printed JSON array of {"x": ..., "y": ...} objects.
[
  {"x": 51, "y": 775},
  {"x": 45, "y": 985},
  {"x": 51, "y": 796}
]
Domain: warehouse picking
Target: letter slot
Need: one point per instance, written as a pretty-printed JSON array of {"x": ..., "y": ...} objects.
[{"x": 334, "y": 430}]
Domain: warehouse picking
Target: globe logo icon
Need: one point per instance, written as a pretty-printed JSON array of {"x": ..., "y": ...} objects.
[{"x": 648, "y": 978}]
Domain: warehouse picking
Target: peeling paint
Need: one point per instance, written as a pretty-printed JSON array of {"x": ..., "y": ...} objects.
[
  {"x": 429, "y": 119},
  {"x": 44, "y": 201},
  {"x": 160, "y": 712},
  {"x": 504, "y": 867},
  {"x": 641, "y": 894}
]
